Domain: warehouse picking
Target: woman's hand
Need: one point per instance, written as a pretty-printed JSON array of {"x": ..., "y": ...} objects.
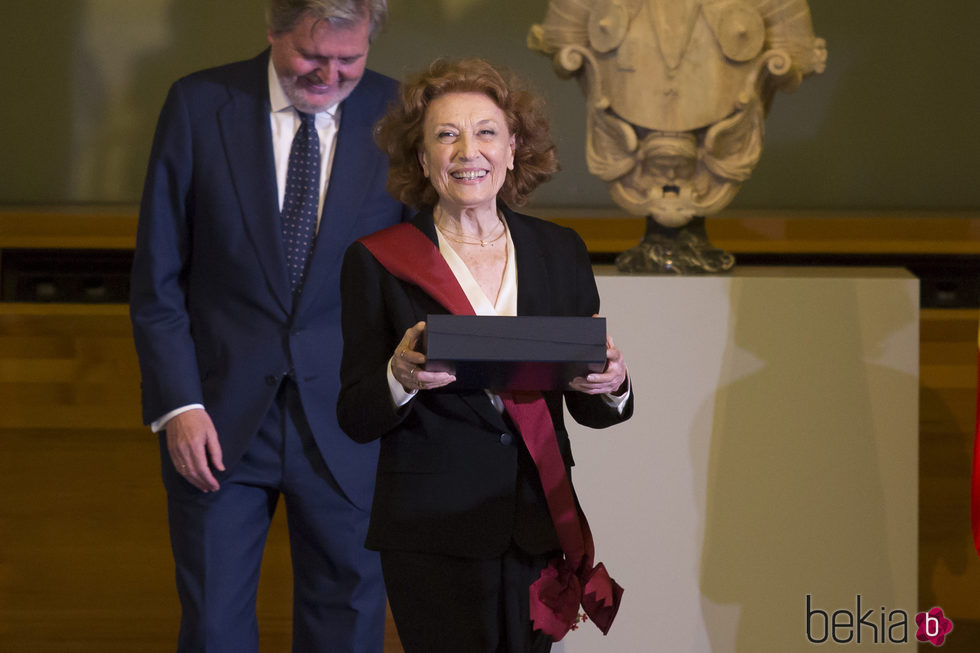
[
  {"x": 609, "y": 380},
  {"x": 406, "y": 364}
]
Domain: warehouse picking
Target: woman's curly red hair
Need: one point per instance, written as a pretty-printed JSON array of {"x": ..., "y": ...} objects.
[{"x": 399, "y": 132}]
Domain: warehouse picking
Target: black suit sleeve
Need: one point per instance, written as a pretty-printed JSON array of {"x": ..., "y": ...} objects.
[
  {"x": 590, "y": 410},
  {"x": 364, "y": 407}
]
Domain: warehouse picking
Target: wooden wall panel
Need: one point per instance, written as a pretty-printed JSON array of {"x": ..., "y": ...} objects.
[
  {"x": 68, "y": 366},
  {"x": 604, "y": 230},
  {"x": 949, "y": 568},
  {"x": 85, "y": 560}
]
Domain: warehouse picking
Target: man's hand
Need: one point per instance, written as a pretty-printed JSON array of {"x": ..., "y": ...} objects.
[{"x": 192, "y": 441}]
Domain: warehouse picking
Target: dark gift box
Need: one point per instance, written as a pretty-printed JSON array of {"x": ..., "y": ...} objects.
[{"x": 515, "y": 353}]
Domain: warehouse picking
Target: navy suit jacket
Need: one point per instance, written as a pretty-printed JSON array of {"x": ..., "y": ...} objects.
[
  {"x": 453, "y": 477},
  {"x": 213, "y": 316}
]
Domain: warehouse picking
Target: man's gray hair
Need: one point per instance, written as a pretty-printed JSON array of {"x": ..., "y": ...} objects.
[{"x": 283, "y": 15}]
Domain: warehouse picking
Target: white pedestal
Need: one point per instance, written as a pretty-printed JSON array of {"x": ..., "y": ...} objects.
[{"x": 772, "y": 455}]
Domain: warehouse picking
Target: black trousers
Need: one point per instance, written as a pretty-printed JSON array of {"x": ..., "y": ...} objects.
[{"x": 463, "y": 605}]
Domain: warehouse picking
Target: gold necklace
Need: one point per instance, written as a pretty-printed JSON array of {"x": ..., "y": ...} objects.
[{"x": 462, "y": 239}]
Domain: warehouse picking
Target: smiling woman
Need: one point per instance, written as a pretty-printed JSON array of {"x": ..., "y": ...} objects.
[
  {"x": 475, "y": 556},
  {"x": 401, "y": 133},
  {"x": 466, "y": 152}
]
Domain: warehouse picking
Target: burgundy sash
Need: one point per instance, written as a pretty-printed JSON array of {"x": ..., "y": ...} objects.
[{"x": 573, "y": 579}]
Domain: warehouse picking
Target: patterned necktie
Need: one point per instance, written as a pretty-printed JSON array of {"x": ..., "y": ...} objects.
[{"x": 299, "y": 205}]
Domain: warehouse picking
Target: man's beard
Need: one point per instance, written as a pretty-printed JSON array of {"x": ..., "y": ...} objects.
[{"x": 299, "y": 98}]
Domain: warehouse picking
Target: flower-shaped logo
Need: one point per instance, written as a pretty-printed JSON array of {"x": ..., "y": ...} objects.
[{"x": 933, "y": 626}]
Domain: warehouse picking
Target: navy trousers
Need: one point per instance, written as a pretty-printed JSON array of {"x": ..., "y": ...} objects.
[{"x": 218, "y": 540}]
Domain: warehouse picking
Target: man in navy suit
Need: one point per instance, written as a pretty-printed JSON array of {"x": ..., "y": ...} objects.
[{"x": 239, "y": 365}]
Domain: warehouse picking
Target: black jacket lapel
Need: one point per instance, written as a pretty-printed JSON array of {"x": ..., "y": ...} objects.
[{"x": 533, "y": 281}]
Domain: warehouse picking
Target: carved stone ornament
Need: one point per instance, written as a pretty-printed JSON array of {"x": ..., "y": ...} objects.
[{"x": 676, "y": 93}]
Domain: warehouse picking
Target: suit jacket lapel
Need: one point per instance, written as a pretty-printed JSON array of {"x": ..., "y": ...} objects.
[
  {"x": 352, "y": 163},
  {"x": 533, "y": 282},
  {"x": 425, "y": 223},
  {"x": 247, "y": 139}
]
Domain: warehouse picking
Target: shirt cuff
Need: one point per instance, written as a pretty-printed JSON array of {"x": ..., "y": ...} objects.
[
  {"x": 161, "y": 423},
  {"x": 619, "y": 402},
  {"x": 399, "y": 396}
]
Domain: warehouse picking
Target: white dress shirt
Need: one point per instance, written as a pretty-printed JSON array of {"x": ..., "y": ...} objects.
[{"x": 285, "y": 123}]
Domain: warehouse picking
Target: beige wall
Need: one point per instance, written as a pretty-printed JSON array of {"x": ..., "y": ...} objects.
[
  {"x": 890, "y": 124},
  {"x": 772, "y": 454}
]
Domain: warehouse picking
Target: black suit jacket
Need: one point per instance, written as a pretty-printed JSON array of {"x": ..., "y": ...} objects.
[
  {"x": 453, "y": 475},
  {"x": 213, "y": 315}
]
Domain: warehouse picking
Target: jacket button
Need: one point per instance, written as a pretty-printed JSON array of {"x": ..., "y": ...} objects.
[
  {"x": 506, "y": 438},
  {"x": 271, "y": 379}
]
